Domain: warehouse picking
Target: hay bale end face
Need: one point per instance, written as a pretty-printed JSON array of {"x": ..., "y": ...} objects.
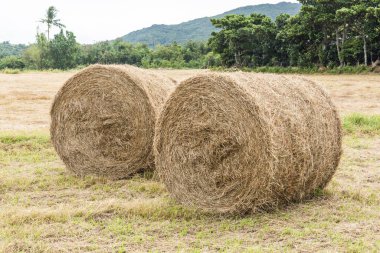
[
  {"x": 103, "y": 118},
  {"x": 239, "y": 142}
]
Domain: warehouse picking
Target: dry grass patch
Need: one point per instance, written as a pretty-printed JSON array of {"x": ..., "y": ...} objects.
[
  {"x": 349, "y": 92},
  {"x": 45, "y": 209}
]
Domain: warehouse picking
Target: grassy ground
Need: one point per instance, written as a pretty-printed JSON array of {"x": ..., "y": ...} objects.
[{"x": 43, "y": 208}]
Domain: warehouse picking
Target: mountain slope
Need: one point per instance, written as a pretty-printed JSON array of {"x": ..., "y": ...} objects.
[{"x": 200, "y": 29}]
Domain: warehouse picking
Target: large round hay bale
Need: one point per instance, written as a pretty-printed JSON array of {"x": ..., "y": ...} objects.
[
  {"x": 242, "y": 142},
  {"x": 103, "y": 118}
]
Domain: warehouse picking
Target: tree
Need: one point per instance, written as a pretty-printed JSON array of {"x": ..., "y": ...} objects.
[
  {"x": 50, "y": 20},
  {"x": 64, "y": 50},
  {"x": 361, "y": 25},
  {"x": 375, "y": 35},
  {"x": 358, "y": 22},
  {"x": 244, "y": 41},
  {"x": 167, "y": 56},
  {"x": 229, "y": 41},
  {"x": 32, "y": 57},
  {"x": 44, "y": 52},
  {"x": 281, "y": 55},
  {"x": 12, "y": 62},
  {"x": 320, "y": 19},
  {"x": 344, "y": 19},
  {"x": 262, "y": 34}
]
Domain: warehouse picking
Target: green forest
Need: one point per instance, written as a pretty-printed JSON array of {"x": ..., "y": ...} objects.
[{"x": 324, "y": 35}]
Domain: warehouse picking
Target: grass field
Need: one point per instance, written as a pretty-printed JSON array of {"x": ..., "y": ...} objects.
[{"x": 43, "y": 208}]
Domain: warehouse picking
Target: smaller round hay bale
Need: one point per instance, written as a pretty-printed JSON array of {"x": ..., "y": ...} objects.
[
  {"x": 103, "y": 119},
  {"x": 238, "y": 142}
]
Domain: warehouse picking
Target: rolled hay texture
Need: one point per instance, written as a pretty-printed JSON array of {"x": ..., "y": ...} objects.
[
  {"x": 103, "y": 119},
  {"x": 240, "y": 142}
]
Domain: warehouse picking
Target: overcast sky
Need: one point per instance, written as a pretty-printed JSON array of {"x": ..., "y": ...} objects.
[{"x": 97, "y": 20}]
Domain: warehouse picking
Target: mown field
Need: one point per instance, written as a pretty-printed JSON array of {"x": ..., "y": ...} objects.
[{"x": 43, "y": 208}]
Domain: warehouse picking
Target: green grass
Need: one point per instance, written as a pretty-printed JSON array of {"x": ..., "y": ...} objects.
[
  {"x": 22, "y": 147},
  {"x": 37, "y": 138},
  {"x": 302, "y": 70},
  {"x": 21, "y": 71},
  {"x": 311, "y": 70},
  {"x": 361, "y": 124}
]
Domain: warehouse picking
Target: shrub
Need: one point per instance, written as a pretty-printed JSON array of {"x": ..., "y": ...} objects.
[
  {"x": 11, "y": 71},
  {"x": 12, "y": 62}
]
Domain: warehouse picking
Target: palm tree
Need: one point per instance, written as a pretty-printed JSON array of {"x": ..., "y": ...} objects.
[{"x": 50, "y": 19}]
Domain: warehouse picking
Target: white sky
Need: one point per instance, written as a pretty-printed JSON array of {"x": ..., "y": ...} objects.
[{"x": 97, "y": 20}]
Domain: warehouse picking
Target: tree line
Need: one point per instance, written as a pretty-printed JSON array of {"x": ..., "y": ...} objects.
[{"x": 325, "y": 34}]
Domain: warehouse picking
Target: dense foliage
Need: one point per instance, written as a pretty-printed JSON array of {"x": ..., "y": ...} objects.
[
  {"x": 325, "y": 33},
  {"x": 63, "y": 52},
  {"x": 332, "y": 35}
]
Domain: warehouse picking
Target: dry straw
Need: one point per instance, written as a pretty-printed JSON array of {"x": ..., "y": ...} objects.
[
  {"x": 103, "y": 118},
  {"x": 239, "y": 142}
]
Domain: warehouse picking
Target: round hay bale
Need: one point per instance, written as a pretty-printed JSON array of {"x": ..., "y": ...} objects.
[
  {"x": 238, "y": 142},
  {"x": 103, "y": 118}
]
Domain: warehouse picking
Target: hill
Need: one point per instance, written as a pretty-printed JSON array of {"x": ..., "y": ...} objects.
[
  {"x": 7, "y": 49},
  {"x": 200, "y": 29}
]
